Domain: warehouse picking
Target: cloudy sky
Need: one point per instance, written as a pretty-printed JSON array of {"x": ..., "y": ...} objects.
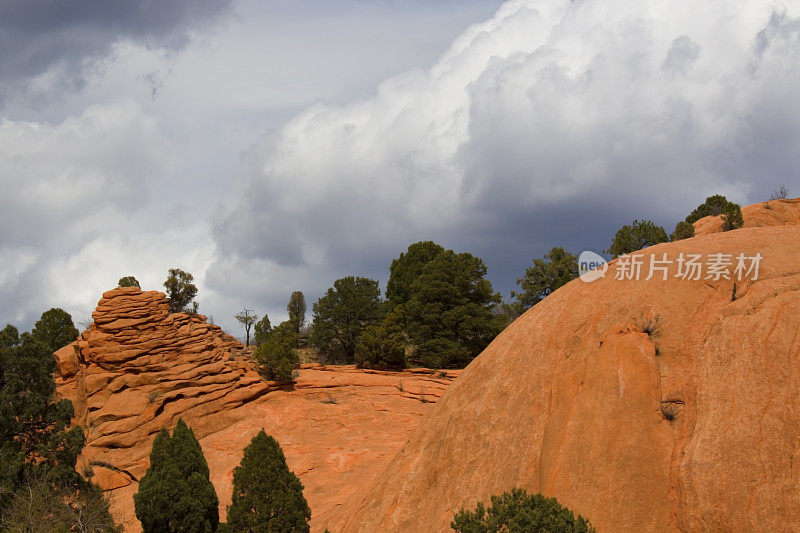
[{"x": 275, "y": 146}]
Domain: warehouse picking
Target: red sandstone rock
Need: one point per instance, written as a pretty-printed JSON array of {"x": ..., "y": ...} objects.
[
  {"x": 138, "y": 369},
  {"x": 571, "y": 399}
]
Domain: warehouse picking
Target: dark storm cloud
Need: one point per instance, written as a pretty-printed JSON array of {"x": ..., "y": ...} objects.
[{"x": 64, "y": 39}]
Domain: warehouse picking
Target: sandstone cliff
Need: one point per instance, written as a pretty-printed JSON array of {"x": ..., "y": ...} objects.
[
  {"x": 138, "y": 368},
  {"x": 650, "y": 405}
]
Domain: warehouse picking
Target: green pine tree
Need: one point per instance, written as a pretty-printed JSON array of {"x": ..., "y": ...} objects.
[
  {"x": 407, "y": 268},
  {"x": 683, "y": 230},
  {"x": 175, "y": 494},
  {"x": 639, "y": 235},
  {"x": 267, "y": 496},
  {"x": 128, "y": 281},
  {"x": 55, "y": 329},
  {"x": 343, "y": 313},
  {"x": 38, "y": 449},
  {"x": 449, "y": 316},
  {"x": 261, "y": 330},
  {"x": 384, "y": 346},
  {"x": 297, "y": 310},
  {"x": 35, "y": 436},
  {"x": 275, "y": 354},
  {"x": 518, "y": 512},
  {"x": 713, "y": 206},
  {"x": 557, "y": 268}
]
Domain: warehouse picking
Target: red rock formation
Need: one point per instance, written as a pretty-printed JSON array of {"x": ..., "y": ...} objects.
[
  {"x": 694, "y": 426},
  {"x": 138, "y": 368}
]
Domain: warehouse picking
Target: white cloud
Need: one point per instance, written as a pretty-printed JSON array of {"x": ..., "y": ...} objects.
[
  {"x": 74, "y": 209},
  {"x": 528, "y": 128}
]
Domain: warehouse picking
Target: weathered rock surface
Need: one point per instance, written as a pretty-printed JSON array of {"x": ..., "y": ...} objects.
[
  {"x": 771, "y": 213},
  {"x": 138, "y": 369},
  {"x": 694, "y": 426}
]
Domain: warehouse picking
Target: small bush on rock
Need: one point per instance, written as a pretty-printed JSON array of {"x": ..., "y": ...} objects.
[
  {"x": 519, "y": 512},
  {"x": 275, "y": 353},
  {"x": 637, "y": 236},
  {"x": 128, "y": 281},
  {"x": 732, "y": 217},
  {"x": 715, "y": 206},
  {"x": 683, "y": 230}
]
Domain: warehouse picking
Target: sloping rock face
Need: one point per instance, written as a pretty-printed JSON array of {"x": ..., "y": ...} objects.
[
  {"x": 339, "y": 427},
  {"x": 649, "y": 405},
  {"x": 138, "y": 369},
  {"x": 771, "y": 213}
]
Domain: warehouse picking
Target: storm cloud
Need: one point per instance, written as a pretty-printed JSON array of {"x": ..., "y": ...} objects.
[
  {"x": 48, "y": 46},
  {"x": 552, "y": 123}
]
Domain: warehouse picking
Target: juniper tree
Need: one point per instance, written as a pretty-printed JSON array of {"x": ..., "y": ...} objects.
[
  {"x": 557, "y": 268},
  {"x": 267, "y": 496},
  {"x": 342, "y": 315},
  {"x": 35, "y": 434},
  {"x": 718, "y": 205},
  {"x": 38, "y": 449},
  {"x": 128, "y": 281},
  {"x": 55, "y": 329},
  {"x": 175, "y": 494},
  {"x": 517, "y": 511},
  {"x": 275, "y": 354},
  {"x": 732, "y": 217},
  {"x": 406, "y": 268},
  {"x": 683, "y": 230},
  {"x": 713, "y": 206},
  {"x": 181, "y": 291},
  {"x": 639, "y": 235},
  {"x": 261, "y": 330},
  {"x": 297, "y": 309},
  {"x": 449, "y": 315},
  {"x": 383, "y": 346}
]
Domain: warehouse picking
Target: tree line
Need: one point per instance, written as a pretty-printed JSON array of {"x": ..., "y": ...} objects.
[
  {"x": 438, "y": 310},
  {"x": 558, "y": 266}
]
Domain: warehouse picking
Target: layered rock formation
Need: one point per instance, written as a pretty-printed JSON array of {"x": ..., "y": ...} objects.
[
  {"x": 646, "y": 405},
  {"x": 138, "y": 369}
]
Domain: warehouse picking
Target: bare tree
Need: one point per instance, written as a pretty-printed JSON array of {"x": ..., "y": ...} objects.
[
  {"x": 781, "y": 194},
  {"x": 247, "y": 320}
]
